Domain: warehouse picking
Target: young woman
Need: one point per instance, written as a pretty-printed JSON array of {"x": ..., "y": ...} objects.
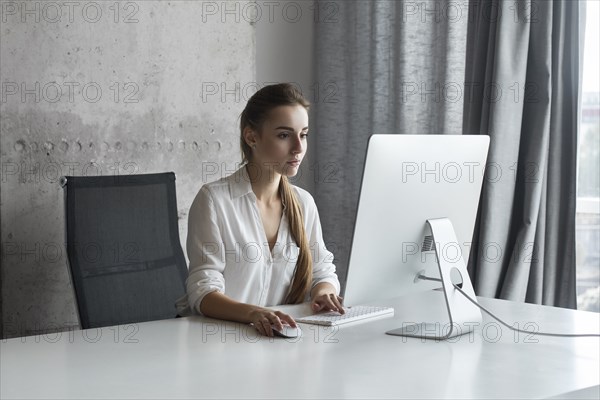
[{"x": 254, "y": 239}]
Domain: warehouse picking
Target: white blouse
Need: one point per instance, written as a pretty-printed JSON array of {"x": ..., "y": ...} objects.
[{"x": 228, "y": 249}]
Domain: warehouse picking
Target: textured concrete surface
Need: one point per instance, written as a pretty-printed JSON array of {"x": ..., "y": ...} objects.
[{"x": 99, "y": 88}]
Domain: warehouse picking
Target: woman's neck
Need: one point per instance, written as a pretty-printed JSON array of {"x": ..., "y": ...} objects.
[{"x": 265, "y": 185}]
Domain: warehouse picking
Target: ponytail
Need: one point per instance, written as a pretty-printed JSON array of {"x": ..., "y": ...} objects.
[{"x": 303, "y": 272}]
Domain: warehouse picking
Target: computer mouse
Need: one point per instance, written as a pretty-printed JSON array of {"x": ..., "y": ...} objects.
[{"x": 287, "y": 331}]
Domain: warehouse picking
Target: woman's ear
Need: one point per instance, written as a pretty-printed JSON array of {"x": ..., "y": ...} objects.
[{"x": 249, "y": 136}]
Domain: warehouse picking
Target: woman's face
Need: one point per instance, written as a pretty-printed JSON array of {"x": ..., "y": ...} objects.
[{"x": 282, "y": 140}]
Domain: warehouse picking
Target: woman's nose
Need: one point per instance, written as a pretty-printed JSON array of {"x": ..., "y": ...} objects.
[{"x": 297, "y": 148}]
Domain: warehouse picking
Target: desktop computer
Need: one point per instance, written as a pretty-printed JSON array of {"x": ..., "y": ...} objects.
[{"x": 414, "y": 223}]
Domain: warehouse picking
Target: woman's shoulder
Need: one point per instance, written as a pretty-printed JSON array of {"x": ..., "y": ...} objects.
[
  {"x": 211, "y": 191},
  {"x": 221, "y": 185},
  {"x": 216, "y": 186},
  {"x": 304, "y": 197}
]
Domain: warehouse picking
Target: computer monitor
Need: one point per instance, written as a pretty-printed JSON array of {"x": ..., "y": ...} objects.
[{"x": 411, "y": 184}]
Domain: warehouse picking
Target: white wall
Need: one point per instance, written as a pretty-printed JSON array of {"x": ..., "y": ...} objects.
[{"x": 284, "y": 53}]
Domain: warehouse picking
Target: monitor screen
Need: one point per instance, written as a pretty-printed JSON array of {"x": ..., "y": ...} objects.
[{"x": 407, "y": 180}]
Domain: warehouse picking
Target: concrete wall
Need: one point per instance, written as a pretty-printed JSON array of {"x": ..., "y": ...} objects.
[{"x": 93, "y": 89}]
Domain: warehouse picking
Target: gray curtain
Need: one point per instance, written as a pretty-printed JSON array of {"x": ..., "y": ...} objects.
[
  {"x": 382, "y": 67},
  {"x": 523, "y": 68}
]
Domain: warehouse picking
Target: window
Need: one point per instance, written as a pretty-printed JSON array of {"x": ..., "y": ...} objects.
[{"x": 588, "y": 179}]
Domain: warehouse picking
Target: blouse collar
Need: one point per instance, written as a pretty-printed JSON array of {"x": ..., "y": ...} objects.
[{"x": 240, "y": 185}]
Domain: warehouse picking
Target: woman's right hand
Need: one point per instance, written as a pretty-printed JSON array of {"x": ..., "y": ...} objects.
[{"x": 263, "y": 318}]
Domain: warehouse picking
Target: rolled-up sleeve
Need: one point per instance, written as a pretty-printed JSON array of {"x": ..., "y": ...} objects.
[
  {"x": 205, "y": 250},
  {"x": 323, "y": 267}
]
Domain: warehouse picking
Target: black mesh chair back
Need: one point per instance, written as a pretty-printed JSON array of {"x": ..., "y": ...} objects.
[{"x": 123, "y": 247}]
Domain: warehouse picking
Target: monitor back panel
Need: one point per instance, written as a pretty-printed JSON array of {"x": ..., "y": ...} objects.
[{"x": 408, "y": 179}]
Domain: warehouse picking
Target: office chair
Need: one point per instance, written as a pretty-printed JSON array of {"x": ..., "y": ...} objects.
[{"x": 123, "y": 248}]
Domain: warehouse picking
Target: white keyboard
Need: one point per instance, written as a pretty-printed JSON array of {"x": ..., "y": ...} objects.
[{"x": 353, "y": 314}]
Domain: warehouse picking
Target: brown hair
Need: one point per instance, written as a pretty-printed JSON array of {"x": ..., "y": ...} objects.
[{"x": 253, "y": 116}]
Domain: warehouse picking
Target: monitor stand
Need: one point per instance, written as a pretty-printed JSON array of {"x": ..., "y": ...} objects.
[{"x": 463, "y": 314}]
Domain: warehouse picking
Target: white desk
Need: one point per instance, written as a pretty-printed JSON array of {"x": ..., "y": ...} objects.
[{"x": 199, "y": 357}]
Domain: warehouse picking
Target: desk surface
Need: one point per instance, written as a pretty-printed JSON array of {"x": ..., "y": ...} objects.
[{"x": 198, "y": 357}]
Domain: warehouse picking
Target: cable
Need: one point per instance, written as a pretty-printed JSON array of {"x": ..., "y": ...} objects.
[{"x": 522, "y": 331}]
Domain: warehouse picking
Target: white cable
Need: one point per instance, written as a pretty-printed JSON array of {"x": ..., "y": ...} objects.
[{"x": 522, "y": 331}]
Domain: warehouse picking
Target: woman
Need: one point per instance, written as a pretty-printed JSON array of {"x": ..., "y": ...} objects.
[{"x": 254, "y": 239}]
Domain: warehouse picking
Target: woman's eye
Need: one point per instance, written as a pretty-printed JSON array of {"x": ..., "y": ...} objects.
[{"x": 284, "y": 135}]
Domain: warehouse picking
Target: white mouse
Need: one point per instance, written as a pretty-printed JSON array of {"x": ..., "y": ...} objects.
[{"x": 287, "y": 331}]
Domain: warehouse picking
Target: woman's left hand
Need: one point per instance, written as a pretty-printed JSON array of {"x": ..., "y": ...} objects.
[{"x": 327, "y": 302}]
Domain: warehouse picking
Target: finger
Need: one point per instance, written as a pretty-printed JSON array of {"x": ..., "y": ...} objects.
[
  {"x": 267, "y": 327},
  {"x": 339, "y": 305},
  {"x": 258, "y": 327},
  {"x": 324, "y": 305},
  {"x": 287, "y": 318},
  {"x": 321, "y": 302},
  {"x": 276, "y": 323},
  {"x": 317, "y": 305},
  {"x": 324, "y": 302},
  {"x": 333, "y": 304},
  {"x": 331, "y": 298}
]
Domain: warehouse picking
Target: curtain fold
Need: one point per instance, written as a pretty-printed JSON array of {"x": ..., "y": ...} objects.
[
  {"x": 392, "y": 67},
  {"x": 524, "y": 70}
]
